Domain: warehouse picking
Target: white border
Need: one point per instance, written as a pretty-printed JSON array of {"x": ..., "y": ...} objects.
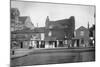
[{"x": 5, "y": 33}]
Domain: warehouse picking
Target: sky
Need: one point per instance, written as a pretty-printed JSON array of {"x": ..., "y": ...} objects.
[{"x": 38, "y": 12}]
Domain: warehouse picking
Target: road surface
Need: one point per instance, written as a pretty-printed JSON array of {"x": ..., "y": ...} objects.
[{"x": 54, "y": 56}]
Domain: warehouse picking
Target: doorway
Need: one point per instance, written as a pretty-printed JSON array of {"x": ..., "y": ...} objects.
[
  {"x": 77, "y": 43},
  {"x": 21, "y": 43}
]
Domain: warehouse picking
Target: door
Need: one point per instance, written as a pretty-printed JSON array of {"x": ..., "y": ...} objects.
[
  {"x": 77, "y": 43},
  {"x": 21, "y": 44}
]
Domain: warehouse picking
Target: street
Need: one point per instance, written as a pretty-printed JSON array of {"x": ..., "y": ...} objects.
[{"x": 52, "y": 56}]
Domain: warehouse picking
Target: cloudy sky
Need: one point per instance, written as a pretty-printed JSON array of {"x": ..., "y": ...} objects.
[{"x": 39, "y": 11}]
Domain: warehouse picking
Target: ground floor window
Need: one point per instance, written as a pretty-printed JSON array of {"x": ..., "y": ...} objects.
[{"x": 82, "y": 41}]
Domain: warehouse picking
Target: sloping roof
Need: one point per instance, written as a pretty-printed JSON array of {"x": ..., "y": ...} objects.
[
  {"x": 28, "y": 24},
  {"x": 22, "y": 19},
  {"x": 82, "y": 28},
  {"x": 63, "y": 21}
]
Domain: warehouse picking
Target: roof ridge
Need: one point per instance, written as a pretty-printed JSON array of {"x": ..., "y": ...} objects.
[{"x": 81, "y": 27}]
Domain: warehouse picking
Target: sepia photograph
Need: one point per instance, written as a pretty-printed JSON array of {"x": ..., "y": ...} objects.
[{"x": 44, "y": 33}]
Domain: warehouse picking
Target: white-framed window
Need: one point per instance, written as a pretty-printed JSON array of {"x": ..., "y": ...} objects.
[
  {"x": 42, "y": 36},
  {"x": 50, "y": 33},
  {"x": 82, "y": 33},
  {"x": 74, "y": 33}
]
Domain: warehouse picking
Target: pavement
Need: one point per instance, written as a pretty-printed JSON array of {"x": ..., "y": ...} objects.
[
  {"x": 23, "y": 52},
  {"x": 20, "y": 52}
]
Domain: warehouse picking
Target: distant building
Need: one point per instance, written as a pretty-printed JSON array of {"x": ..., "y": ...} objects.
[
  {"x": 92, "y": 35},
  {"x": 40, "y": 34},
  {"x": 81, "y": 37}
]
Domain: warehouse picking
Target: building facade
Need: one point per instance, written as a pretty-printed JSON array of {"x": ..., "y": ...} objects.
[
  {"x": 81, "y": 37},
  {"x": 59, "y": 31},
  {"x": 20, "y": 24}
]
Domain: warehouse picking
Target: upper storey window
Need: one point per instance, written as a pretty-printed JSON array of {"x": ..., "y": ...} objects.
[
  {"x": 82, "y": 33},
  {"x": 50, "y": 33},
  {"x": 50, "y": 27}
]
